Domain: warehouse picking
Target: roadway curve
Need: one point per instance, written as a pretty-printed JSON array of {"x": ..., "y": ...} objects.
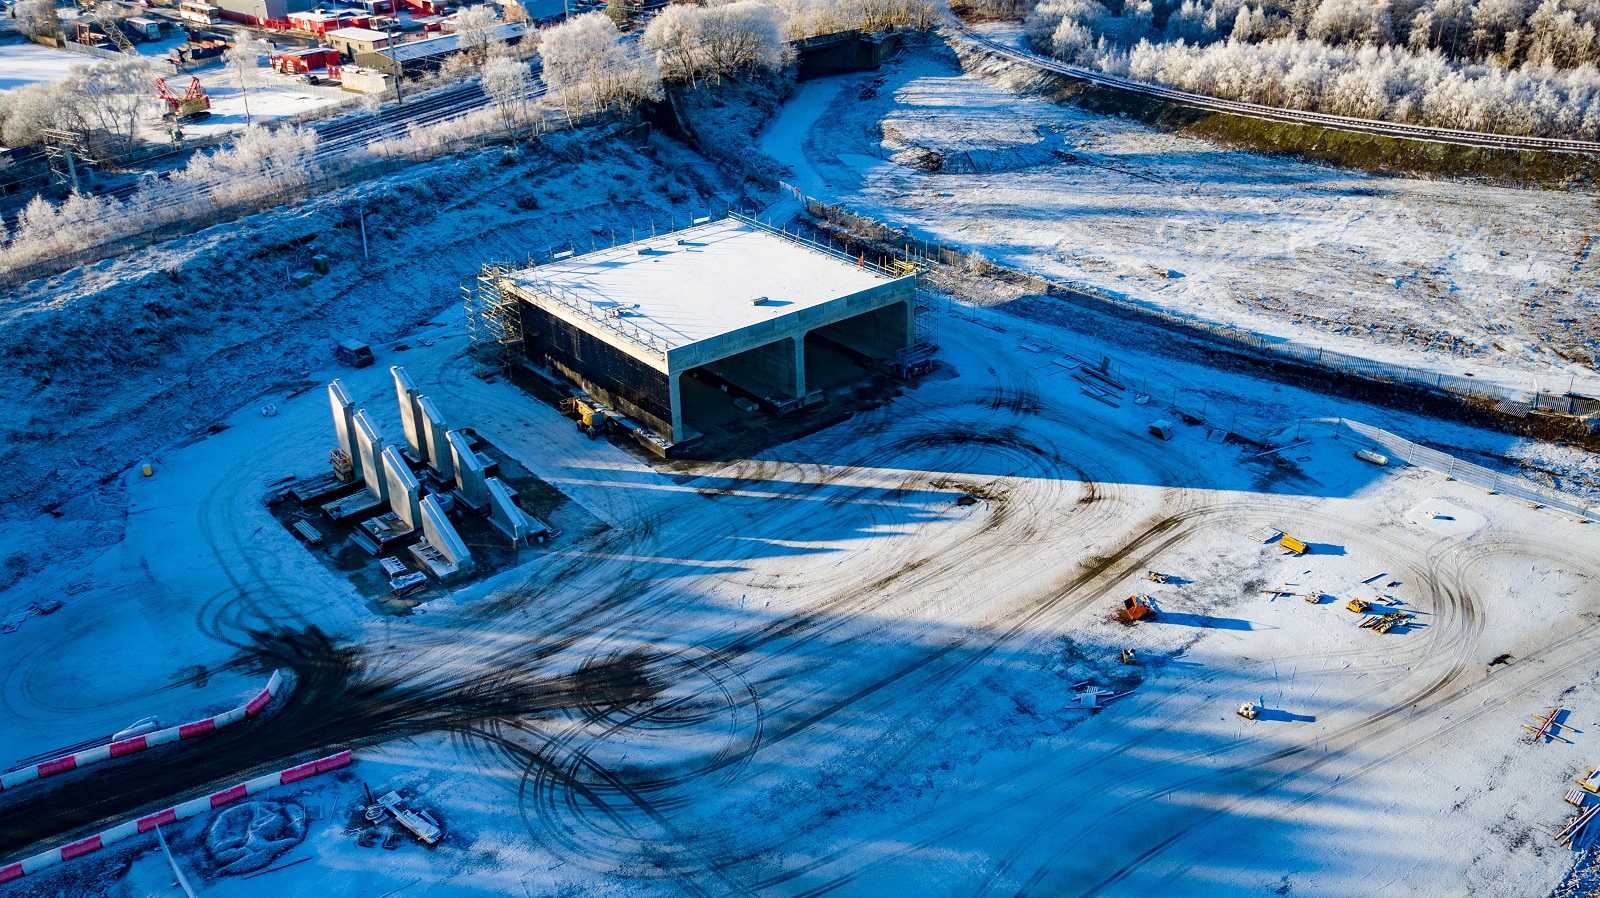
[{"x": 1275, "y": 114}]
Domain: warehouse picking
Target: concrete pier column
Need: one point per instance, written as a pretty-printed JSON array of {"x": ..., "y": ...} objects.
[
  {"x": 410, "y": 415},
  {"x": 404, "y": 491},
  {"x": 369, "y": 445},
  {"x": 344, "y": 414},
  {"x": 433, "y": 431}
]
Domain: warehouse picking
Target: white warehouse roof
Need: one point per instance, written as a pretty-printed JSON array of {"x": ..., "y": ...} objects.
[
  {"x": 699, "y": 283},
  {"x": 358, "y": 34}
]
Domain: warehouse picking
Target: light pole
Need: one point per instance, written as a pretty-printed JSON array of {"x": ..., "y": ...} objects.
[{"x": 394, "y": 61}]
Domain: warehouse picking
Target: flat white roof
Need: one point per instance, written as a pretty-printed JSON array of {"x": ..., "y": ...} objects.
[
  {"x": 682, "y": 293},
  {"x": 357, "y": 34}
]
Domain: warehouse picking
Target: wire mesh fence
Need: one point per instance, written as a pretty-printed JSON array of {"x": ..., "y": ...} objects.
[
  {"x": 1079, "y": 353},
  {"x": 1515, "y": 394},
  {"x": 1399, "y": 449}
]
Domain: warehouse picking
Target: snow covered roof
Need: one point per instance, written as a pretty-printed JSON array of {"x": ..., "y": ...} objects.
[
  {"x": 358, "y": 34},
  {"x": 450, "y": 43},
  {"x": 699, "y": 283}
]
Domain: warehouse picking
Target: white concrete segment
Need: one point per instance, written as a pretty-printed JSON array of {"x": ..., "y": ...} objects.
[
  {"x": 369, "y": 446},
  {"x": 406, "y": 391},
  {"x": 469, "y": 471},
  {"x": 698, "y": 283},
  {"x": 344, "y": 424},
  {"x": 442, "y": 535},
  {"x": 404, "y": 490},
  {"x": 433, "y": 431},
  {"x": 505, "y": 513}
]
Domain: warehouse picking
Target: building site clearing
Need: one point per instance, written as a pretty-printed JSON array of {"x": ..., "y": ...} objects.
[{"x": 1053, "y": 615}]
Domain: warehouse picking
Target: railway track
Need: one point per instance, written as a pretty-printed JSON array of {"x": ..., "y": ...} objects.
[
  {"x": 1271, "y": 113},
  {"x": 350, "y": 134}
]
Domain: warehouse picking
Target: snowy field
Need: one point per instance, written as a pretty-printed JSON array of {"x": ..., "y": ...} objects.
[
  {"x": 268, "y": 96},
  {"x": 30, "y": 63},
  {"x": 853, "y": 664},
  {"x": 852, "y": 683},
  {"x": 1450, "y": 277}
]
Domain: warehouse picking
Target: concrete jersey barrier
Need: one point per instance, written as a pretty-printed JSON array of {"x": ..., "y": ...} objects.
[
  {"x": 149, "y": 740},
  {"x": 187, "y": 809}
]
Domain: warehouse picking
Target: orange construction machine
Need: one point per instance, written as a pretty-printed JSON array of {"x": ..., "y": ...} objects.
[{"x": 1138, "y": 608}]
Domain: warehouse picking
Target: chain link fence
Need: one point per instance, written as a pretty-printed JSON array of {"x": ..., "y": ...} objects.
[
  {"x": 1084, "y": 353},
  {"x": 1399, "y": 449},
  {"x": 1514, "y": 394},
  {"x": 159, "y": 65}
]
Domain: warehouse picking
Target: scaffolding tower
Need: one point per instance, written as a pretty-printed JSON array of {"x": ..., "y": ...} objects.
[
  {"x": 494, "y": 324},
  {"x": 918, "y": 357}
]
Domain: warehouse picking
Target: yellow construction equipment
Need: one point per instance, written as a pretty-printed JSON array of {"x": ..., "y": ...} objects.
[
  {"x": 1390, "y": 621},
  {"x": 591, "y": 416},
  {"x": 1359, "y": 606},
  {"x": 1129, "y": 656},
  {"x": 1294, "y": 545},
  {"x": 194, "y": 104}
]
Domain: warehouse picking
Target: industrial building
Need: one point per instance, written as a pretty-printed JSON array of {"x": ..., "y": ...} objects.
[
  {"x": 416, "y": 57},
  {"x": 723, "y": 311},
  {"x": 261, "y": 12},
  {"x": 356, "y": 41}
]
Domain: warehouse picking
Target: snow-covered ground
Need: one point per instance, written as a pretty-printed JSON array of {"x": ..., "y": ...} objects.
[
  {"x": 29, "y": 63},
  {"x": 1451, "y": 277},
  {"x": 267, "y": 96},
  {"x": 858, "y": 685},
  {"x": 823, "y": 668}
]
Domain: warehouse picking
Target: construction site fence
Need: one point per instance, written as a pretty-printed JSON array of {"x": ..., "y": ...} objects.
[
  {"x": 1198, "y": 408},
  {"x": 1560, "y": 395},
  {"x": 1399, "y": 449},
  {"x": 159, "y": 65}
]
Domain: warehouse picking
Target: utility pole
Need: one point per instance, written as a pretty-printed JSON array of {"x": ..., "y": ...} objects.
[{"x": 394, "y": 63}]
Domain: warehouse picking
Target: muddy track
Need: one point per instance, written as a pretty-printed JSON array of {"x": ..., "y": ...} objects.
[
  {"x": 1190, "y": 520},
  {"x": 341, "y": 700}
]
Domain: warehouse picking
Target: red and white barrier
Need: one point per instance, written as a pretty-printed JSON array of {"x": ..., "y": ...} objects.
[
  {"x": 148, "y": 740},
  {"x": 173, "y": 814}
]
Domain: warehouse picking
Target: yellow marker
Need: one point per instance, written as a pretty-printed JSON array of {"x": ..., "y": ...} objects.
[{"x": 148, "y": 471}]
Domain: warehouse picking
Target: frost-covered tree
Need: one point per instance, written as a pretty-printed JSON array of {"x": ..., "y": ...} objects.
[
  {"x": 263, "y": 161},
  {"x": 35, "y": 107},
  {"x": 109, "y": 96},
  {"x": 244, "y": 59},
  {"x": 507, "y": 80},
  {"x": 38, "y": 18},
  {"x": 713, "y": 41},
  {"x": 1352, "y": 22},
  {"x": 472, "y": 27},
  {"x": 588, "y": 67}
]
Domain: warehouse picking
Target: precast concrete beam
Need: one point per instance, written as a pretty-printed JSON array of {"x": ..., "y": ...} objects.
[{"x": 369, "y": 446}]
